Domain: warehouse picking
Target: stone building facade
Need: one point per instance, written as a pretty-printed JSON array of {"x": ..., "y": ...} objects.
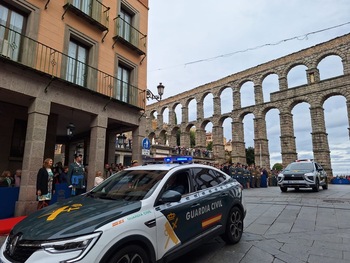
[
  {"x": 69, "y": 64},
  {"x": 315, "y": 92}
]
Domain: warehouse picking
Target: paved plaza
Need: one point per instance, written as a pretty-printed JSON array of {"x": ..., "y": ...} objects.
[{"x": 287, "y": 227}]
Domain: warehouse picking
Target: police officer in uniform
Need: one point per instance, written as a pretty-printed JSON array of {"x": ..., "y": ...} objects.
[{"x": 76, "y": 175}]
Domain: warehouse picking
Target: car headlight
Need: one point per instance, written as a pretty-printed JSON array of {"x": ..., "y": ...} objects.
[
  {"x": 82, "y": 243},
  {"x": 310, "y": 176}
]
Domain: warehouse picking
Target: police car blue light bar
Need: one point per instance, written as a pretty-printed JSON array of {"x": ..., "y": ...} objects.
[{"x": 178, "y": 159}]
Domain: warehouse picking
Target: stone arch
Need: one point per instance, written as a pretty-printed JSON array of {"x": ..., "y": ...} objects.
[
  {"x": 177, "y": 109},
  {"x": 163, "y": 138},
  {"x": 165, "y": 115},
  {"x": 295, "y": 69},
  {"x": 192, "y": 110},
  {"x": 208, "y": 105},
  {"x": 269, "y": 84},
  {"x": 247, "y": 98},
  {"x": 331, "y": 66},
  {"x": 226, "y": 99}
]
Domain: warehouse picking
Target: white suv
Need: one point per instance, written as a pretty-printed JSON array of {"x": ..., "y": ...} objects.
[
  {"x": 150, "y": 213},
  {"x": 303, "y": 174}
]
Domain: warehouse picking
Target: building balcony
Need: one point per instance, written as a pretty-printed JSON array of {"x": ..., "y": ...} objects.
[
  {"x": 129, "y": 36},
  {"x": 21, "y": 50},
  {"x": 92, "y": 11}
]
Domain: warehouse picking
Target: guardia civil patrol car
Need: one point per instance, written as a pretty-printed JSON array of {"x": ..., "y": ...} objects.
[{"x": 150, "y": 213}]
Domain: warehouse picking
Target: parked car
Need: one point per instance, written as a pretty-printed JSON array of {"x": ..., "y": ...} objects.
[
  {"x": 303, "y": 174},
  {"x": 150, "y": 213}
]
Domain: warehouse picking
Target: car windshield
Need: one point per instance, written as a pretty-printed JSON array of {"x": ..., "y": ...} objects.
[
  {"x": 305, "y": 167},
  {"x": 129, "y": 185}
]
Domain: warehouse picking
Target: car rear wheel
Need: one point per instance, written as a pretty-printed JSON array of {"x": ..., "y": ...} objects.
[
  {"x": 283, "y": 189},
  {"x": 234, "y": 226},
  {"x": 130, "y": 254}
]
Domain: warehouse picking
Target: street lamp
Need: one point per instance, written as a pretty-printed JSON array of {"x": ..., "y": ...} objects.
[
  {"x": 70, "y": 130},
  {"x": 121, "y": 139},
  {"x": 150, "y": 95}
]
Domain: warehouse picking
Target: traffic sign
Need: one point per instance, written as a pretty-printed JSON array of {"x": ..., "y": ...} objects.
[
  {"x": 146, "y": 144},
  {"x": 146, "y": 152}
]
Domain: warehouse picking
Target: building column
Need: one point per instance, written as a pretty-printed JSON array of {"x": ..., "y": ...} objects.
[
  {"x": 200, "y": 138},
  {"x": 172, "y": 117},
  {"x": 346, "y": 67},
  {"x": 185, "y": 140},
  {"x": 238, "y": 146},
  {"x": 283, "y": 84},
  {"x": 217, "y": 106},
  {"x": 348, "y": 111},
  {"x": 111, "y": 143},
  {"x": 38, "y": 114},
  {"x": 184, "y": 115},
  {"x": 138, "y": 134},
  {"x": 97, "y": 148},
  {"x": 258, "y": 94},
  {"x": 288, "y": 147},
  {"x": 200, "y": 111},
  {"x": 236, "y": 99},
  {"x": 218, "y": 146},
  {"x": 313, "y": 76},
  {"x": 319, "y": 139},
  {"x": 261, "y": 144},
  {"x": 160, "y": 121}
]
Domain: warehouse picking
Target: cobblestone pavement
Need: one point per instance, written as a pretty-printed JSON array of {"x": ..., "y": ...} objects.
[{"x": 287, "y": 227}]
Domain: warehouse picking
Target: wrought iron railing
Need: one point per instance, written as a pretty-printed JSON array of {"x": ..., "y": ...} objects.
[
  {"x": 92, "y": 8},
  {"x": 31, "y": 53},
  {"x": 130, "y": 34}
]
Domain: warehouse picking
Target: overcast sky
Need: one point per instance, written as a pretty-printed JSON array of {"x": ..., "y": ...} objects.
[{"x": 194, "y": 42}]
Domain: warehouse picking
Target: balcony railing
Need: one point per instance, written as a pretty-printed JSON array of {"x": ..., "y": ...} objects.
[
  {"x": 31, "y": 53},
  {"x": 92, "y": 10},
  {"x": 129, "y": 36}
]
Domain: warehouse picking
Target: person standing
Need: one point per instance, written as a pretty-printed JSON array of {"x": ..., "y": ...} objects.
[
  {"x": 63, "y": 177},
  {"x": 18, "y": 175},
  {"x": 135, "y": 163},
  {"x": 76, "y": 176},
  {"x": 44, "y": 184},
  {"x": 98, "y": 178}
]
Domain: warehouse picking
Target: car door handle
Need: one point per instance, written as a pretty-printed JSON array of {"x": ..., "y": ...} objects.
[{"x": 195, "y": 205}]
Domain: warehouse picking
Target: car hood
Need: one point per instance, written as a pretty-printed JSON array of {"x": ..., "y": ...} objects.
[
  {"x": 77, "y": 216},
  {"x": 290, "y": 172}
]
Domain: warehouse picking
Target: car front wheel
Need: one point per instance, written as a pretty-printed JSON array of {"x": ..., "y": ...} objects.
[
  {"x": 234, "y": 226},
  {"x": 283, "y": 189},
  {"x": 316, "y": 188},
  {"x": 130, "y": 254}
]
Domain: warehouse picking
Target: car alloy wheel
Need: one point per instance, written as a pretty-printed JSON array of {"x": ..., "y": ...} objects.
[
  {"x": 234, "y": 226},
  {"x": 130, "y": 254}
]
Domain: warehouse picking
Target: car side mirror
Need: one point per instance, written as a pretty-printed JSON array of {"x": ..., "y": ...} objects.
[{"x": 170, "y": 196}]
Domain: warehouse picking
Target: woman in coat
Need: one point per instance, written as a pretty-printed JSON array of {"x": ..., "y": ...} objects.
[{"x": 44, "y": 184}]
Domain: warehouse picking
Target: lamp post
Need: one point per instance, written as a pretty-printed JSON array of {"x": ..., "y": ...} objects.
[
  {"x": 121, "y": 140},
  {"x": 70, "y": 130},
  {"x": 150, "y": 95}
]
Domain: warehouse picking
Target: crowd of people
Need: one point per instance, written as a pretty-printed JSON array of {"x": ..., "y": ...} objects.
[
  {"x": 250, "y": 176},
  {"x": 75, "y": 177},
  {"x": 7, "y": 179}
]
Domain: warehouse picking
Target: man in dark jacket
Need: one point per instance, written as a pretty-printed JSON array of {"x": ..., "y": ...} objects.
[{"x": 76, "y": 175}]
